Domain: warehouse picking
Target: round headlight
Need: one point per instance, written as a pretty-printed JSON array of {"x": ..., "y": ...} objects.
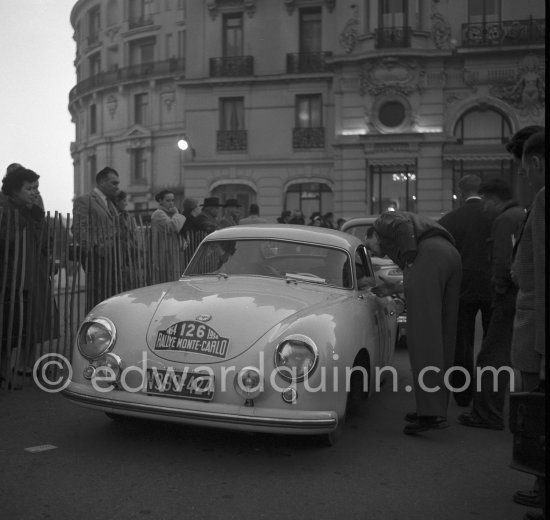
[
  {"x": 296, "y": 358},
  {"x": 96, "y": 337}
]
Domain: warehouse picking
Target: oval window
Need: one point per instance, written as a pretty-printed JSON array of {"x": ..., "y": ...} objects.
[{"x": 392, "y": 114}]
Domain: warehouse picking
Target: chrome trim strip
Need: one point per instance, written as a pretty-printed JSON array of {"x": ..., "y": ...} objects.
[{"x": 312, "y": 424}]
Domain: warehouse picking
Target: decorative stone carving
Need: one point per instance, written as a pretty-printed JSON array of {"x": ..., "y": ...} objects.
[
  {"x": 391, "y": 74},
  {"x": 350, "y": 34},
  {"x": 453, "y": 97},
  {"x": 291, "y": 5},
  {"x": 112, "y": 104},
  {"x": 525, "y": 91},
  {"x": 168, "y": 98},
  {"x": 215, "y": 6},
  {"x": 441, "y": 29},
  {"x": 111, "y": 32},
  {"x": 471, "y": 78}
]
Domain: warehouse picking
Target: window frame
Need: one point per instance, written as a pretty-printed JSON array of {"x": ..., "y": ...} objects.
[
  {"x": 310, "y": 100},
  {"x": 141, "y": 108},
  {"x": 232, "y": 49}
]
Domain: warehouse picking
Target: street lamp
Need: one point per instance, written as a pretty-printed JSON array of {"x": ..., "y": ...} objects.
[{"x": 183, "y": 144}]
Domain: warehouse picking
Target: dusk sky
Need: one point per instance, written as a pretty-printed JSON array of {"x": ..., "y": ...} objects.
[{"x": 37, "y": 54}]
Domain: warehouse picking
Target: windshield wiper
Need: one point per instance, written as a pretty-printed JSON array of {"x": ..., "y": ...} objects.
[{"x": 303, "y": 277}]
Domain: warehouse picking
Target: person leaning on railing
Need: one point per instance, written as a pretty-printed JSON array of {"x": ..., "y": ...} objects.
[
  {"x": 168, "y": 244},
  {"x": 95, "y": 228},
  {"x": 24, "y": 282}
]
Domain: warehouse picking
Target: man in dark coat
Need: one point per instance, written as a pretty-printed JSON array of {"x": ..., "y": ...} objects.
[
  {"x": 208, "y": 218},
  {"x": 231, "y": 213},
  {"x": 488, "y": 406},
  {"x": 431, "y": 277},
  {"x": 470, "y": 225},
  {"x": 529, "y": 273}
]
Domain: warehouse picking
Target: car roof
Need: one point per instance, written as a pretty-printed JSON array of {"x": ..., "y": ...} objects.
[
  {"x": 298, "y": 233},
  {"x": 359, "y": 221}
]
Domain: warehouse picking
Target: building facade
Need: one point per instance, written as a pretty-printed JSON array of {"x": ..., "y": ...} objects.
[{"x": 349, "y": 106}]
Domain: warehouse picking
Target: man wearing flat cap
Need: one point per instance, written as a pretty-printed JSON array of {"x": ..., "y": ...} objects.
[
  {"x": 231, "y": 214},
  {"x": 207, "y": 219}
]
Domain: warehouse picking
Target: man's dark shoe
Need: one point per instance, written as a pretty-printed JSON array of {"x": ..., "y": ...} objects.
[
  {"x": 530, "y": 498},
  {"x": 462, "y": 400},
  {"x": 469, "y": 419},
  {"x": 425, "y": 423},
  {"x": 411, "y": 417},
  {"x": 533, "y": 516}
]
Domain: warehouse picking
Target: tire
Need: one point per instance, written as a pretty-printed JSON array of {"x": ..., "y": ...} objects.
[{"x": 356, "y": 397}]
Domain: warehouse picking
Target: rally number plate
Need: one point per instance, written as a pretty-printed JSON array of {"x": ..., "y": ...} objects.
[{"x": 187, "y": 385}]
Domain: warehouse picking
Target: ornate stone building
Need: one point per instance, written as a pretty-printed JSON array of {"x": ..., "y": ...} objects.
[{"x": 349, "y": 106}]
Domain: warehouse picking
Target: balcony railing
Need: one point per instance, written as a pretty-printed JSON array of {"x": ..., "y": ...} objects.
[
  {"x": 231, "y": 140},
  {"x": 391, "y": 37},
  {"x": 307, "y": 62},
  {"x": 308, "y": 137},
  {"x": 144, "y": 70},
  {"x": 511, "y": 32},
  {"x": 140, "y": 21},
  {"x": 234, "y": 66}
]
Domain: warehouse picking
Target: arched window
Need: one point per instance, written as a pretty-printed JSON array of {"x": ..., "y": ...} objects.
[
  {"x": 482, "y": 133},
  {"x": 309, "y": 197},
  {"x": 244, "y": 194},
  {"x": 483, "y": 126}
]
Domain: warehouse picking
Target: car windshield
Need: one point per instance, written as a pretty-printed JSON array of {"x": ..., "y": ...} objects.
[{"x": 273, "y": 258}]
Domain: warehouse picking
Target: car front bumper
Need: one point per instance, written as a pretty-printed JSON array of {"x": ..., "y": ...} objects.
[{"x": 233, "y": 417}]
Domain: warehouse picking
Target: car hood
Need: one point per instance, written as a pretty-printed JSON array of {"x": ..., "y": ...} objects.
[{"x": 206, "y": 319}]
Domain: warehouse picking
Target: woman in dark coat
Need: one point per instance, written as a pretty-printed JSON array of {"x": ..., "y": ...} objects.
[{"x": 29, "y": 314}]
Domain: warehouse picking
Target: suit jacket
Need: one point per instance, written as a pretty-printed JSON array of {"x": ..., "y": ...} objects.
[
  {"x": 470, "y": 226},
  {"x": 528, "y": 270},
  {"x": 94, "y": 223}
]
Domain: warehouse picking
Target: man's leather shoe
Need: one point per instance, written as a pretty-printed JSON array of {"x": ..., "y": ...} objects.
[
  {"x": 425, "y": 423},
  {"x": 462, "y": 400},
  {"x": 411, "y": 417},
  {"x": 469, "y": 419},
  {"x": 530, "y": 498}
]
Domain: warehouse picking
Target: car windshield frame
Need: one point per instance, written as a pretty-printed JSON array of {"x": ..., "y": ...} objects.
[{"x": 289, "y": 260}]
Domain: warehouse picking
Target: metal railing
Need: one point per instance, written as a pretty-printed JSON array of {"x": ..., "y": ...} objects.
[
  {"x": 391, "y": 37},
  {"x": 308, "y": 62},
  {"x": 143, "y": 70},
  {"x": 510, "y": 32},
  {"x": 50, "y": 279},
  {"x": 308, "y": 137},
  {"x": 233, "y": 66},
  {"x": 231, "y": 140},
  {"x": 140, "y": 21}
]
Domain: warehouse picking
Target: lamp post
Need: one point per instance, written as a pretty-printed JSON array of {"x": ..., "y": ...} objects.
[{"x": 184, "y": 146}]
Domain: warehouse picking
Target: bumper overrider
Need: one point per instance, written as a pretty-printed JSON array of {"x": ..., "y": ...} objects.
[{"x": 235, "y": 417}]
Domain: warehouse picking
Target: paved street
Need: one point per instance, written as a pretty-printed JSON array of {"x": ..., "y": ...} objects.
[{"x": 148, "y": 470}]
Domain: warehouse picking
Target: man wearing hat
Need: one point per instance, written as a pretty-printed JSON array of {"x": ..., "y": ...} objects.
[
  {"x": 207, "y": 219},
  {"x": 231, "y": 214}
]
